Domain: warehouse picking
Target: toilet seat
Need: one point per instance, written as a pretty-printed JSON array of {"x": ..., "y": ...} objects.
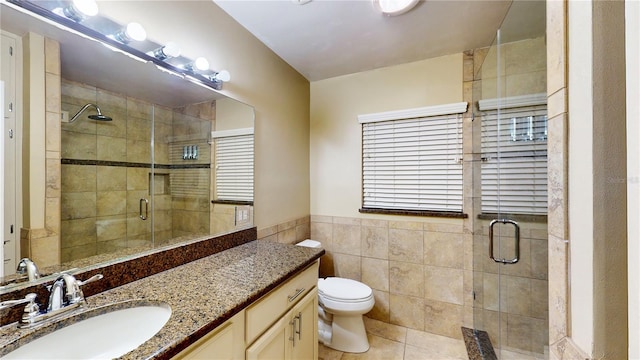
[{"x": 344, "y": 290}]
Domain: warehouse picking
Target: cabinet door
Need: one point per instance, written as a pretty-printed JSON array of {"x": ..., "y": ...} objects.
[
  {"x": 225, "y": 342},
  {"x": 304, "y": 329},
  {"x": 273, "y": 344}
]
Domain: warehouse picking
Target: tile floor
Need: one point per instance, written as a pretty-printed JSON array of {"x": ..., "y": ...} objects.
[
  {"x": 390, "y": 342},
  {"x": 396, "y": 342}
]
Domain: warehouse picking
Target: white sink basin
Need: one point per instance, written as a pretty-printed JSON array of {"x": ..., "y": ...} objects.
[{"x": 104, "y": 336}]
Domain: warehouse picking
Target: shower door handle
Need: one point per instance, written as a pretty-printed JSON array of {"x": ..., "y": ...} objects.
[
  {"x": 516, "y": 238},
  {"x": 146, "y": 209}
]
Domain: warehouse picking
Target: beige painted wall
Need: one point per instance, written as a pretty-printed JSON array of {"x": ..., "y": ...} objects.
[
  {"x": 279, "y": 94},
  {"x": 335, "y": 132}
]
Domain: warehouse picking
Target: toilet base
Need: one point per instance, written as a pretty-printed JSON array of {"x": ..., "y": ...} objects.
[{"x": 349, "y": 334}]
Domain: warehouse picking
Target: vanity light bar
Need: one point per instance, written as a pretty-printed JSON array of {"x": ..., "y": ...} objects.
[{"x": 73, "y": 15}]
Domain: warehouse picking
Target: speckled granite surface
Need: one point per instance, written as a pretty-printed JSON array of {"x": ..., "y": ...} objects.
[
  {"x": 202, "y": 294},
  {"x": 478, "y": 345}
]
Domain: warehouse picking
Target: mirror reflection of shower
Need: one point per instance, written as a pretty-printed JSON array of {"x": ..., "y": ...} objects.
[{"x": 99, "y": 116}]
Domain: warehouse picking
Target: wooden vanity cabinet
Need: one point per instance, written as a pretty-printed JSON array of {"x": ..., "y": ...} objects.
[
  {"x": 293, "y": 336},
  {"x": 283, "y": 324},
  {"x": 225, "y": 342}
]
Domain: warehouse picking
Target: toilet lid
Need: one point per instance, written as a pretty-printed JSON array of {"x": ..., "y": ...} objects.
[{"x": 343, "y": 289}]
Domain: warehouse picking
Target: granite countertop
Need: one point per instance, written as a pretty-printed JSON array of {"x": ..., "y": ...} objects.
[{"x": 202, "y": 294}]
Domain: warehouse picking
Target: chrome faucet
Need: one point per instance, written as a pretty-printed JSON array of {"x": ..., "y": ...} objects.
[
  {"x": 65, "y": 295},
  {"x": 66, "y": 291},
  {"x": 27, "y": 266}
]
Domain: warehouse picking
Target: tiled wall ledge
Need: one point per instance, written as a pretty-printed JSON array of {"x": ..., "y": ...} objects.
[{"x": 132, "y": 269}]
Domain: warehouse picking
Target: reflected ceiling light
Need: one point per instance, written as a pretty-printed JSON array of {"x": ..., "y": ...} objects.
[
  {"x": 394, "y": 7},
  {"x": 222, "y": 75},
  {"x": 133, "y": 31},
  {"x": 198, "y": 65},
  {"x": 171, "y": 50},
  {"x": 78, "y": 10}
]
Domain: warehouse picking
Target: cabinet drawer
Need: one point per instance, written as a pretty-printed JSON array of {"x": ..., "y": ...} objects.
[{"x": 264, "y": 312}]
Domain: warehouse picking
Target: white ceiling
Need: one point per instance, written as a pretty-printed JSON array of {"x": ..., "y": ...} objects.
[{"x": 327, "y": 38}]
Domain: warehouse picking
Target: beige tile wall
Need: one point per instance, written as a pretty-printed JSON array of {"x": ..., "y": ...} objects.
[
  {"x": 289, "y": 232},
  {"x": 101, "y": 204}
]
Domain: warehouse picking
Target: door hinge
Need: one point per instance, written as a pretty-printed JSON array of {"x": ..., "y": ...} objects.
[
  {"x": 474, "y": 295},
  {"x": 10, "y": 133},
  {"x": 10, "y": 107},
  {"x": 10, "y": 50},
  {"x": 11, "y": 229}
]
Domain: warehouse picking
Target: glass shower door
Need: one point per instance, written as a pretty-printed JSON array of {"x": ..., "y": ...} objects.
[{"x": 509, "y": 220}]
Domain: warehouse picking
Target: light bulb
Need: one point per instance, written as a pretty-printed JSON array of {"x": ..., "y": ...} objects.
[
  {"x": 78, "y": 10},
  {"x": 201, "y": 64},
  {"x": 171, "y": 50},
  {"x": 394, "y": 7},
  {"x": 86, "y": 7},
  {"x": 136, "y": 32},
  {"x": 133, "y": 31},
  {"x": 222, "y": 75}
]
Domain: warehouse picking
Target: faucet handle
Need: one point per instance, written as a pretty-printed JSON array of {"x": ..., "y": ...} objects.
[
  {"x": 29, "y": 298},
  {"x": 91, "y": 279}
]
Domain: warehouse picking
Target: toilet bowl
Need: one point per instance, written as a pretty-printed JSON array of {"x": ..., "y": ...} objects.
[{"x": 341, "y": 304}]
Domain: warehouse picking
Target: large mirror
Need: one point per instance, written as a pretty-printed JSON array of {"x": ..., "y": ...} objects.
[{"x": 151, "y": 159}]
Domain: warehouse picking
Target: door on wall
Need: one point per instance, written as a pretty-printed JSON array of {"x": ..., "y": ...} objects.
[
  {"x": 510, "y": 220},
  {"x": 10, "y": 229}
]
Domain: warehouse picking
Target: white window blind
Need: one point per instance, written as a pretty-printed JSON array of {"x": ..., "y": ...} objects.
[
  {"x": 514, "y": 168},
  {"x": 234, "y": 166},
  {"x": 413, "y": 164}
]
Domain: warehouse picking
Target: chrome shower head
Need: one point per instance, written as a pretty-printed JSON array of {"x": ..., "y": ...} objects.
[{"x": 98, "y": 116}]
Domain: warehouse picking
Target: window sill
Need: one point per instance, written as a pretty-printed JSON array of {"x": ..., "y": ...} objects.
[
  {"x": 232, "y": 202},
  {"x": 532, "y": 218},
  {"x": 447, "y": 214}
]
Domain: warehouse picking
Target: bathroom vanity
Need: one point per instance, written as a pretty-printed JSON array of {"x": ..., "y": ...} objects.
[
  {"x": 280, "y": 325},
  {"x": 243, "y": 302}
]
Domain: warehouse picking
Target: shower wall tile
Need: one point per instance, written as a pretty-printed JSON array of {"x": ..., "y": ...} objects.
[
  {"x": 79, "y": 145},
  {"x": 78, "y": 205},
  {"x": 77, "y": 252},
  {"x": 111, "y": 178},
  {"x": 111, "y": 149},
  {"x": 539, "y": 299},
  {"x": 138, "y": 179},
  {"x": 138, "y": 108},
  {"x": 133, "y": 201},
  {"x": 111, "y": 203},
  {"x": 78, "y": 178},
  {"x": 80, "y": 232},
  {"x": 110, "y": 228},
  {"x": 518, "y": 295}
]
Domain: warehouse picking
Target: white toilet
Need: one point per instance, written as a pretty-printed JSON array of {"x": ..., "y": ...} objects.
[{"x": 342, "y": 302}]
